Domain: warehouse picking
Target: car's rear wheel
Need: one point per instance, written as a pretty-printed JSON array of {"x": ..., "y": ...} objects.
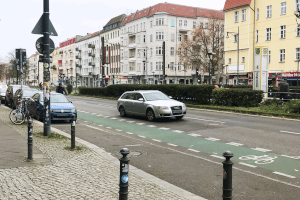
[
  {"x": 179, "y": 117},
  {"x": 122, "y": 111},
  {"x": 150, "y": 115}
]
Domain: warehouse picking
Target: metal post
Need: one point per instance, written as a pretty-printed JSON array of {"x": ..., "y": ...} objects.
[
  {"x": 238, "y": 54},
  {"x": 30, "y": 139},
  {"x": 73, "y": 132},
  {"x": 46, "y": 64},
  {"x": 209, "y": 70},
  {"x": 124, "y": 169},
  {"x": 226, "y": 74},
  {"x": 227, "y": 175}
]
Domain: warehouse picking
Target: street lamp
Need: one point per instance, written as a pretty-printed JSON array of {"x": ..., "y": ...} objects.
[
  {"x": 209, "y": 75},
  {"x": 238, "y": 51},
  {"x": 226, "y": 73}
]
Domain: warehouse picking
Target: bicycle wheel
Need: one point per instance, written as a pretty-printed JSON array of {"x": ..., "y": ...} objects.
[{"x": 16, "y": 117}]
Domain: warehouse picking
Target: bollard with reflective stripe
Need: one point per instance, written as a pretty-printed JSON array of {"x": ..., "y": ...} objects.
[
  {"x": 30, "y": 139},
  {"x": 73, "y": 133},
  {"x": 227, "y": 175},
  {"x": 124, "y": 169}
]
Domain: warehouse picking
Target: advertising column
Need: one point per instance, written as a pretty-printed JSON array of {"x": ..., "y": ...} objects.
[{"x": 260, "y": 75}]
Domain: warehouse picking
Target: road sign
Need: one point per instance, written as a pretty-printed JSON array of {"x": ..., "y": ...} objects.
[
  {"x": 38, "y": 29},
  {"x": 39, "y": 45}
]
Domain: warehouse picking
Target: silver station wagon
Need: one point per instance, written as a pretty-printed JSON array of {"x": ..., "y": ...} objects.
[{"x": 150, "y": 103}]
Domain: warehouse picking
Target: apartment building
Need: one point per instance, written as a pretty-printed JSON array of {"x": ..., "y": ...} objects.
[
  {"x": 35, "y": 75},
  {"x": 142, "y": 36},
  {"x": 88, "y": 60},
  {"x": 269, "y": 38},
  {"x": 66, "y": 62},
  {"x": 111, "y": 34},
  {"x": 54, "y": 69}
]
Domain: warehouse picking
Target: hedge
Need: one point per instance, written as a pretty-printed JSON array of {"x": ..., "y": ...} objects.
[{"x": 243, "y": 98}]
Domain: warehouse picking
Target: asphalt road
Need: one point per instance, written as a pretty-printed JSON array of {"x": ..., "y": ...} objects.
[{"x": 188, "y": 153}]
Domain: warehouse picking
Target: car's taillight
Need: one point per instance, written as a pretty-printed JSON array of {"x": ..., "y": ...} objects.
[{"x": 19, "y": 102}]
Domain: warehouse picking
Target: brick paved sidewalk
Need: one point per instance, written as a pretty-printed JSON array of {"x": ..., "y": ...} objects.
[{"x": 88, "y": 173}]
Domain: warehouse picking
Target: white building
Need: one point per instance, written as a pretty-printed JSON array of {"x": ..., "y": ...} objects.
[
  {"x": 88, "y": 60},
  {"x": 142, "y": 35},
  {"x": 35, "y": 75}
]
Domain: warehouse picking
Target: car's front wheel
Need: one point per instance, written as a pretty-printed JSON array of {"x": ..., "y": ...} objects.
[
  {"x": 150, "y": 115},
  {"x": 122, "y": 111}
]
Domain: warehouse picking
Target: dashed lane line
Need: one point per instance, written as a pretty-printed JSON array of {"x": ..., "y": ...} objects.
[
  {"x": 130, "y": 121},
  {"x": 290, "y": 132},
  {"x": 194, "y": 135},
  {"x": 253, "y": 166},
  {"x": 129, "y": 133},
  {"x": 140, "y": 124},
  {"x": 217, "y": 157},
  {"x": 151, "y": 126},
  {"x": 156, "y": 140},
  {"x": 141, "y": 136},
  {"x": 282, "y": 174},
  {"x": 212, "y": 139},
  {"x": 207, "y": 120},
  {"x": 194, "y": 150},
  {"x": 235, "y": 144},
  {"x": 164, "y": 128},
  {"x": 261, "y": 149},
  {"x": 178, "y": 131},
  {"x": 174, "y": 145},
  {"x": 118, "y": 130}
]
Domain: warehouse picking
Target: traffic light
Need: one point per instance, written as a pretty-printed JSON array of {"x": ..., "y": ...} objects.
[{"x": 24, "y": 60}]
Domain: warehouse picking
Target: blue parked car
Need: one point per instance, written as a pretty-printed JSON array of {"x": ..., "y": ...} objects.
[{"x": 60, "y": 107}]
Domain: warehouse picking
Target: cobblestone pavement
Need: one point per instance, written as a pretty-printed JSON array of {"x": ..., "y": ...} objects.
[{"x": 80, "y": 174}]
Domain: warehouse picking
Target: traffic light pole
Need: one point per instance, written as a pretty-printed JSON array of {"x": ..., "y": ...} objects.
[{"x": 46, "y": 69}]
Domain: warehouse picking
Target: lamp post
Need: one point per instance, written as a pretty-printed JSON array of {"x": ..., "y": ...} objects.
[
  {"x": 209, "y": 75},
  {"x": 297, "y": 77},
  {"x": 237, "y": 34},
  {"x": 226, "y": 73}
]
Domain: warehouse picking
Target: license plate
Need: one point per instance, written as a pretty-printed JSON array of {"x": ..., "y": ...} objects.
[
  {"x": 177, "y": 111},
  {"x": 62, "y": 114}
]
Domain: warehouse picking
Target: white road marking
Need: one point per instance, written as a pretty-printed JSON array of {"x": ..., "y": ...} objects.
[
  {"x": 141, "y": 136},
  {"x": 194, "y": 135},
  {"x": 129, "y": 133},
  {"x": 293, "y": 157},
  {"x": 118, "y": 130},
  {"x": 140, "y": 123},
  {"x": 113, "y": 118},
  {"x": 133, "y": 145},
  {"x": 217, "y": 157},
  {"x": 235, "y": 144},
  {"x": 122, "y": 120},
  {"x": 156, "y": 140},
  {"x": 108, "y": 127},
  {"x": 85, "y": 121},
  {"x": 214, "y": 124},
  {"x": 164, "y": 128},
  {"x": 212, "y": 139},
  {"x": 130, "y": 121},
  {"x": 100, "y": 125},
  {"x": 106, "y": 116},
  {"x": 207, "y": 120},
  {"x": 93, "y": 113},
  {"x": 282, "y": 174},
  {"x": 151, "y": 126},
  {"x": 99, "y": 115},
  {"x": 261, "y": 149},
  {"x": 178, "y": 131},
  {"x": 174, "y": 145},
  {"x": 194, "y": 150},
  {"x": 253, "y": 166},
  {"x": 290, "y": 132}
]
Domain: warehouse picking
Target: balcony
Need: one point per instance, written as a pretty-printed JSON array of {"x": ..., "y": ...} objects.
[
  {"x": 78, "y": 65},
  {"x": 78, "y": 57},
  {"x": 91, "y": 46},
  {"x": 183, "y": 29},
  {"x": 132, "y": 46},
  {"x": 133, "y": 59},
  {"x": 92, "y": 64},
  {"x": 91, "y": 74},
  {"x": 131, "y": 34},
  {"x": 92, "y": 55}
]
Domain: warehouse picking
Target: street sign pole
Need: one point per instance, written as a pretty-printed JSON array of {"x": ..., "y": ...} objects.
[{"x": 46, "y": 66}]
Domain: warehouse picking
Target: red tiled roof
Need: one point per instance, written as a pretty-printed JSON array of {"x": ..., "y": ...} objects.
[
  {"x": 142, "y": 13},
  {"x": 129, "y": 18},
  {"x": 235, "y": 3},
  {"x": 201, "y": 12}
]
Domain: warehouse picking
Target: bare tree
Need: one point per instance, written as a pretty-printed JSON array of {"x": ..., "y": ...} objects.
[{"x": 207, "y": 37}]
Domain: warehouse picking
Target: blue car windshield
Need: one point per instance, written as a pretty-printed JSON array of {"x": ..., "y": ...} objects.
[
  {"x": 56, "y": 98},
  {"x": 156, "y": 96}
]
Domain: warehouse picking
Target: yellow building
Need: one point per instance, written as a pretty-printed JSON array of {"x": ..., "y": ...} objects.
[
  {"x": 262, "y": 23},
  {"x": 54, "y": 66}
]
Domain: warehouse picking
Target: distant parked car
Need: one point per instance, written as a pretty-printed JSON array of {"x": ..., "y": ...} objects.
[
  {"x": 11, "y": 89},
  {"x": 3, "y": 88},
  {"x": 24, "y": 93},
  {"x": 150, "y": 103},
  {"x": 61, "y": 107}
]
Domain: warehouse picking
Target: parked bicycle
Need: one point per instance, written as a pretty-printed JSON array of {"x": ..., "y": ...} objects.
[{"x": 21, "y": 113}]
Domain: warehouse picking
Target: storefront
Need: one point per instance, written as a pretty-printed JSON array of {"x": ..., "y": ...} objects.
[
  {"x": 291, "y": 78},
  {"x": 245, "y": 78}
]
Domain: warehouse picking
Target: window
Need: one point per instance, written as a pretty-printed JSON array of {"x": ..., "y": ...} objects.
[
  {"x": 179, "y": 66},
  {"x": 158, "y": 65},
  {"x": 151, "y": 38},
  {"x": 269, "y": 11},
  {"x": 185, "y": 23},
  {"x": 194, "y": 24},
  {"x": 151, "y": 66},
  {"x": 269, "y": 56},
  {"x": 172, "y": 66},
  {"x": 268, "y": 34},
  {"x": 144, "y": 26},
  {"x": 206, "y": 25},
  {"x": 256, "y": 35},
  {"x": 159, "y": 21},
  {"x": 243, "y": 15},
  {"x": 235, "y": 38},
  {"x": 283, "y": 8},
  {"x": 139, "y": 67},
  {"x": 236, "y": 16},
  {"x": 158, "y": 50},
  {"x": 172, "y": 37},
  {"x": 180, "y": 22},
  {"x": 172, "y": 51},
  {"x": 282, "y": 32},
  {"x": 150, "y": 24},
  {"x": 172, "y": 23},
  {"x": 229, "y": 60},
  {"x": 298, "y": 31},
  {"x": 257, "y": 14},
  {"x": 144, "y": 38},
  {"x": 159, "y": 35},
  {"x": 179, "y": 37},
  {"x": 297, "y": 53},
  {"x": 150, "y": 52},
  {"x": 282, "y": 55},
  {"x": 243, "y": 59},
  {"x": 201, "y": 25}
]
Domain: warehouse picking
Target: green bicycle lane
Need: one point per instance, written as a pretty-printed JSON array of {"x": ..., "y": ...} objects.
[{"x": 266, "y": 160}]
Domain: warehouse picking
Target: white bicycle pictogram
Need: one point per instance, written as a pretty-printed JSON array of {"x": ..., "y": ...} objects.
[{"x": 265, "y": 159}]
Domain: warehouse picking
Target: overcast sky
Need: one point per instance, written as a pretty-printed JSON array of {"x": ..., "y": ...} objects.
[{"x": 69, "y": 18}]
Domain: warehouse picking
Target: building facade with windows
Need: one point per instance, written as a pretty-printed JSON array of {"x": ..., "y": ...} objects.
[
  {"x": 54, "y": 69},
  {"x": 88, "y": 60},
  {"x": 35, "y": 75},
  {"x": 142, "y": 37},
  {"x": 262, "y": 23}
]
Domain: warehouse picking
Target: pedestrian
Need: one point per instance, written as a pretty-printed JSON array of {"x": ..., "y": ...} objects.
[
  {"x": 40, "y": 86},
  {"x": 284, "y": 89},
  {"x": 61, "y": 89}
]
